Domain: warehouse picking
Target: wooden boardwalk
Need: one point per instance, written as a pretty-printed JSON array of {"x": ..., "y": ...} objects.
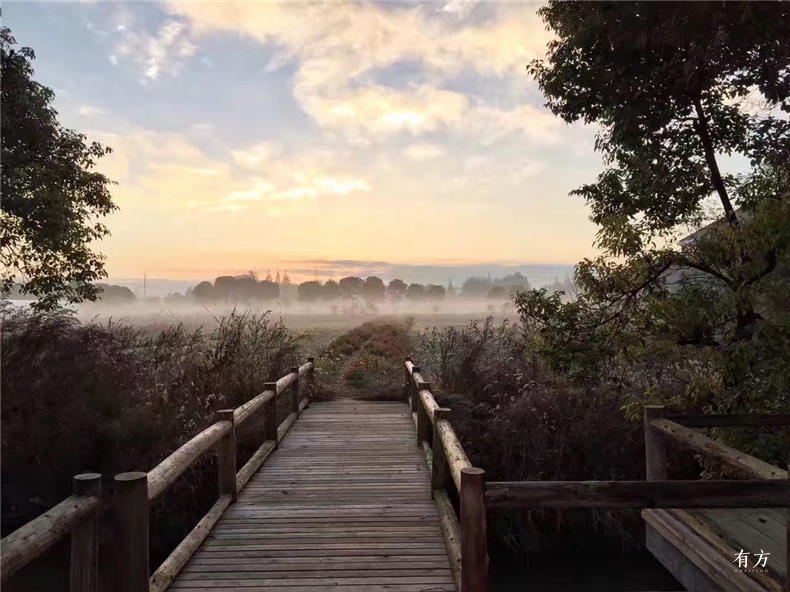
[
  {"x": 339, "y": 497},
  {"x": 343, "y": 504}
]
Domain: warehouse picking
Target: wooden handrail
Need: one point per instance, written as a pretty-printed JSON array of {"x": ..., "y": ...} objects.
[
  {"x": 711, "y": 421},
  {"x": 640, "y": 494},
  {"x": 453, "y": 451},
  {"x": 171, "y": 468},
  {"x": 444, "y": 453},
  {"x": 32, "y": 539},
  {"x": 735, "y": 459},
  {"x": 135, "y": 492},
  {"x": 252, "y": 407},
  {"x": 168, "y": 470},
  {"x": 170, "y": 568}
]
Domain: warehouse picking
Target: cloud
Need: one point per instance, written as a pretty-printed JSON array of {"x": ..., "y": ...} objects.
[
  {"x": 168, "y": 172},
  {"x": 90, "y": 111},
  {"x": 340, "y": 47},
  {"x": 164, "y": 52},
  {"x": 253, "y": 156},
  {"x": 460, "y": 8},
  {"x": 423, "y": 151}
]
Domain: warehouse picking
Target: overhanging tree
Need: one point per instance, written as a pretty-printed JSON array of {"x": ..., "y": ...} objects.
[
  {"x": 667, "y": 84},
  {"x": 52, "y": 198},
  {"x": 672, "y": 87}
]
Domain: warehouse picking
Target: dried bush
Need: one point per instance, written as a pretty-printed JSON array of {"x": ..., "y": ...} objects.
[{"x": 109, "y": 398}]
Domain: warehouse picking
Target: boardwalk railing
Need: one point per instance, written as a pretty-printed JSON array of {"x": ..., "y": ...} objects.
[
  {"x": 768, "y": 485},
  {"x": 136, "y": 491},
  {"x": 450, "y": 468}
]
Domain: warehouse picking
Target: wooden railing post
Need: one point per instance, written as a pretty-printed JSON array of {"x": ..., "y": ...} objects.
[
  {"x": 440, "y": 473},
  {"x": 226, "y": 457},
  {"x": 787, "y": 539},
  {"x": 655, "y": 446},
  {"x": 131, "y": 512},
  {"x": 270, "y": 422},
  {"x": 423, "y": 421},
  {"x": 406, "y": 382},
  {"x": 414, "y": 398},
  {"x": 84, "y": 572},
  {"x": 474, "y": 551},
  {"x": 311, "y": 379},
  {"x": 294, "y": 393}
]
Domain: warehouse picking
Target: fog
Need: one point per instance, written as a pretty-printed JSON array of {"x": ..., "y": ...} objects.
[{"x": 158, "y": 313}]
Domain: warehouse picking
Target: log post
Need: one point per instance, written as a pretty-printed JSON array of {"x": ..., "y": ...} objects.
[
  {"x": 294, "y": 394},
  {"x": 423, "y": 421},
  {"x": 84, "y": 572},
  {"x": 655, "y": 446},
  {"x": 440, "y": 473},
  {"x": 132, "y": 520},
  {"x": 270, "y": 414},
  {"x": 474, "y": 552},
  {"x": 311, "y": 379},
  {"x": 406, "y": 390},
  {"x": 787, "y": 539},
  {"x": 226, "y": 457},
  {"x": 414, "y": 398}
]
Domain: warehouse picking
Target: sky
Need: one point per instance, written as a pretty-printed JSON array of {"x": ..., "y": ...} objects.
[{"x": 317, "y": 138}]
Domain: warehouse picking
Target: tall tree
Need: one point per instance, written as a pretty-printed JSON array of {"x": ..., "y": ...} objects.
[
  {"x": 666, "y": 83},
  {"x": 52, "y": 196},
  {"x": 695, "y": 321}
]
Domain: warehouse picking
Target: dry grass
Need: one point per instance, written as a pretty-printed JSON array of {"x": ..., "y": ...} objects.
[
  {"x": 366, "y": 362},
  {"x": 111, "y": 398}
]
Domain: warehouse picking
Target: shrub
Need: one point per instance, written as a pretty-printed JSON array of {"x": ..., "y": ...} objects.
[
  {"x": 520, "y": 422},
  {"x": 366, "y": 362},
  {"x": 109, "y": 398}
]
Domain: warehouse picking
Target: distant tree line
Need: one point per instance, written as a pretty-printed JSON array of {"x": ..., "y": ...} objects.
[{"x": 372, "y": 289}]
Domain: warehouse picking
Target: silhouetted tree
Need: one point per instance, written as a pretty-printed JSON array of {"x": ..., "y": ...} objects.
[
  {"x": 268, "y": 290},
  {"x": 351, "y": 287},
  {"x": 415, "y": 292},
  {"x": 331, "y": 290},
  {"x": 310, "y": 291},
  {"x": 475, "y": 287},
  {"x": 204, "y": 292},
  {"x": 111, "y": 294},
  {"x": 497, "y": 293},
  {"x": 396, "y": 289},
  {"x": 52, "y": 198},
  {"x": 374, "y": 289},
  {"x": 434, "y": 292},
  {"x": 223, "y": 287}
]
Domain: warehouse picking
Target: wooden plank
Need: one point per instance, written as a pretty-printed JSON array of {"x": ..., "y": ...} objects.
[
  {"x": 750, "y": 529},
  {"x": 344, "y": 502},
  {"x": 700, "y": 552},
  {"x": 742, "y": 462}
]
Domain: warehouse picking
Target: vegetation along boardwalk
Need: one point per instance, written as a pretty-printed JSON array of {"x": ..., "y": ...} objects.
[
  {"x": 343, "y": 504},
  {"x": 364, "y": 496}
]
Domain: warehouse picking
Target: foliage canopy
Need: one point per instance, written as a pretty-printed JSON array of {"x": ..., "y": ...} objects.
[{"x": 52, "y": 197}]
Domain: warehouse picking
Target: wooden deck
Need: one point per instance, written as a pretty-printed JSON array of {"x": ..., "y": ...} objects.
[
  {"x": 344, "y": 504},
  {"x": 699, "y": 546}
]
